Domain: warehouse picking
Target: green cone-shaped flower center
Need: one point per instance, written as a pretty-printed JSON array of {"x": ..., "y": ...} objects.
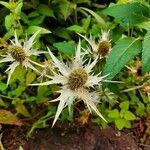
[
  {"x": 18, "y": 53},
  {"x": 77, "y": 78}
]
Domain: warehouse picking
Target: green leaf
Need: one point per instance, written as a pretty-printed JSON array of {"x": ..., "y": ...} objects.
[
  {"x": 129, "y": 115},
  {"x": 124, "y": 51},
  {"x": 145, "y": 25},
  {"x": 113, "y": 114},
  {"x": 120, "y": 123},
  {"x": 86, "y": 23},
  {"x": 33, "y": 29},
  {"x": 128, "y": 124},
  {"x": 129, "y": 14},
  {"x": 18, "y": 74},
  {"x": 98, "y": 18},
  {"x": 62, "y": 32},
  {"x": 3, "y": 86},
  {"x": 21, "y": 109},
  {"x": 9, "y": 20},
  {"x": 66, "y": 8},
  {"x": 30, "y": 77},
  {"x": 45, "y": 10},
  {"x": 5, "y": 4},
  {"x": 18, "y": 8},
  {"x": 124, "y": 105},
  {"x": 77, "y": 28},
  {"x": 146, "y": 53},
  {"x": 68, "y": 48}
]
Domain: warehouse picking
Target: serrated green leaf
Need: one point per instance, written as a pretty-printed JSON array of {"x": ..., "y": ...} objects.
[
  {"x": 33, "y": 29},
  {"x": 120, "y": 123},
  {"x": 124, "y": 51},
  {"x": 129, "y": 115},
  {"x": 45, "y": 10},
  {"x": 68, "y": 48},
  {"x": 113, "y": 114},
  {"x": 129, "y": 14},
  {"x": 124, "y": 105},
  {"x": 146, "y": 53}
]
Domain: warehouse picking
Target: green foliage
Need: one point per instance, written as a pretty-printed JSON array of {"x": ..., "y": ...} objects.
[
  {"x": 146, "y": 54},
  {"x": 68, "y": 48},
  {"x": 128, "y": 14},
  {"x": 123, "y": 117},
  {"x": 124, "y": 51},
  {"x": 58, "y": 23}
]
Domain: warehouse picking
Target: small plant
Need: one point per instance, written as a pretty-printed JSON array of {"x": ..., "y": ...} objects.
[{"x": 123, "y": 117}]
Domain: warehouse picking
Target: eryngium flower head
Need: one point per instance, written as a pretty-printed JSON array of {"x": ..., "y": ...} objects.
[
  {"x": 76, "y": 80},
  {"x": 19, "y": 54},
  {"x": 102, "y": 47}
]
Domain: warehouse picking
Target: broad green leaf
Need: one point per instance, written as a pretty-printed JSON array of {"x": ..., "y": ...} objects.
[
  {"x": 146, "y": 54},
  {"x": 113, "y": 114},
  {"x": 68, "y": 48},
  {"x": 45, "y": 10},
  {"x": 129, "y": 115},
  {"x": 124, "y": 51},
  {"x": 98, "y": 18},
  {"x": 6, "y": 117},
  {"x": 9, "y": 20},
  {"x": 129, "y": 14},
  {"x": 77, "y": 28},
  {"x": 33, "y": 29},
  {"x": 124, "y": 105},
  {"x": 120, "y": 123}
]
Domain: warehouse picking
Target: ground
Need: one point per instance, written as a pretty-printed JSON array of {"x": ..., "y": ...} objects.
[{"x": 70, "y": 137}]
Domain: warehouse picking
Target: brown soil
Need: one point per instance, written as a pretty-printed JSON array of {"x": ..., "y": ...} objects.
[{"x": 69, "y": 137}]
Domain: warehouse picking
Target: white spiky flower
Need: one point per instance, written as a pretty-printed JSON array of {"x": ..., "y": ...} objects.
[
  {"x": 101, "y": 47},
  {"x": 19, "y": 54},
  {"x": 76, "y": 81}
]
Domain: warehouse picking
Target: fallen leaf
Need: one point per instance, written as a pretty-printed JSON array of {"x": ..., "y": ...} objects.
[{"x": 7, "y": 117}]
